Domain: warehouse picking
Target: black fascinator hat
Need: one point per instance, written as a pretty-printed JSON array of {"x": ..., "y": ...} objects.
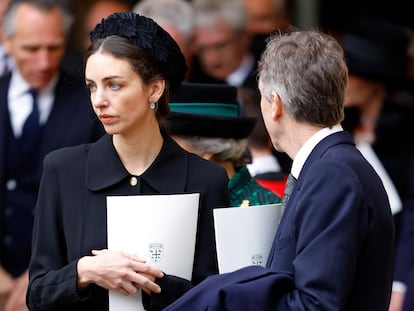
[
  {"x": 208, "y": 110},
  {"x": 148, "y": 35}
]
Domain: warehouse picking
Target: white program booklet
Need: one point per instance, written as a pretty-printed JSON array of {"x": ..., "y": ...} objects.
[
  {"x": 244, "y": 235},
  {"x": 159, "y": 228}
]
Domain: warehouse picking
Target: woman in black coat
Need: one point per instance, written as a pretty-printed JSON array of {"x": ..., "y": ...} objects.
[{"x": 132, "y": 67}]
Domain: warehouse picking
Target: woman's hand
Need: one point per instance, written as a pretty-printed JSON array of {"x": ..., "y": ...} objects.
[
  {"x": 119, "y": 271},
  {"x": 17, "y": 297},
  {"x": 6, "y": 286}
]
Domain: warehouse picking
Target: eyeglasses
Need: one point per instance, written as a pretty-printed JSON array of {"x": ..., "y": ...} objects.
[{"x": 217, "y": 47}]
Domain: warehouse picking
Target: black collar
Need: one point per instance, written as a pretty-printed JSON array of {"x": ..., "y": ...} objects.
[{"x": 104, "y": 168}]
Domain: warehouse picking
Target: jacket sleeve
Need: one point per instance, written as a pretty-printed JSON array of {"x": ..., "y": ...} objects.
[
  {"x": 172, "y": 288},
  {"x": 233, "y": 291},
  {"x": 52, "y": 280}
]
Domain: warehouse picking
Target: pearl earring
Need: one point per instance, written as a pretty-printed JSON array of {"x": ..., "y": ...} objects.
[{"x": 153, "y": 105}]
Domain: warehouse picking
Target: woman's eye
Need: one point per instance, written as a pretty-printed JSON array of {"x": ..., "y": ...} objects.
[
  {"x": 115, "y": 86},
  {"x": 91, "y": 87}
]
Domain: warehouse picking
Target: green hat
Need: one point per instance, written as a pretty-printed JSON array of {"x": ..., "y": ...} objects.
[{"x": 209, "y": 110}]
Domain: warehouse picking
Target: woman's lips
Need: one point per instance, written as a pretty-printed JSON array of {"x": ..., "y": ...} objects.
[{"x": 106, "y": 118}]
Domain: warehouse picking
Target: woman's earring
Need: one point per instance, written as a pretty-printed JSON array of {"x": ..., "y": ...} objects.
[{"x": 153, "y": 105}]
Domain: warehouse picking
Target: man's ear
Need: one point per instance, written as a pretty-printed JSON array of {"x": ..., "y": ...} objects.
[{"x": 277, "y": 106}]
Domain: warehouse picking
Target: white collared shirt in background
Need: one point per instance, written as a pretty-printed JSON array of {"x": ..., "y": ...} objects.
[
  {"x": 237, "y": 77},
  {"x": 20, "y": 102},
  {"x": 264, "y": 164}
]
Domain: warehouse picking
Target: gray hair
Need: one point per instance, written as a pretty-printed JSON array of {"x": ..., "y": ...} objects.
[
  {"x": 308, "y": 71},
  {"x": 209, "y": 12},
  {"x": 177, "y": 13},
  {"x": 9, "y": 26},
  {"x": 224, "y": 149}
]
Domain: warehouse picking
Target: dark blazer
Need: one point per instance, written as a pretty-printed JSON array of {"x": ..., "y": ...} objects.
[
  {"x": 71, "y": 122},
  {"x": 70, "y": 218},
  {"x": 404, "y": 263},
  {"x": 333, "y": 249}
]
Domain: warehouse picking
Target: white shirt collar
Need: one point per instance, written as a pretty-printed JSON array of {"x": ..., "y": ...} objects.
[
  {"x": 264, "y": 164},
  {"x": 18, "y": 85},
  {"x": 310, "y": 144},
  {"x": 20, "y": 103},
  {"x": 237, "y": 77}
]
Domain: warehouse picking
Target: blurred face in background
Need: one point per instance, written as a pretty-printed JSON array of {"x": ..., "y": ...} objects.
[
  {"x": 263, "y": 16},
  {"x": 364, "y": 93},
  {"x": 219, "y": 49},
  {"x": 98, "y": 11},
  {"x": 38, "y": 44}
]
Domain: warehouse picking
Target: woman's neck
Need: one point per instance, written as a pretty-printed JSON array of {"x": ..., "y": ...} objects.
[{"x": 138, "y": 152}]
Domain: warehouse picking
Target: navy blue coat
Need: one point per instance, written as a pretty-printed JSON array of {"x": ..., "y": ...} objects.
[
  {"x": 70, "y": 219},
  {"x": 71, "y": 122},
  {"x": 333, "y": 249},
  {"x": 404, "y": 264}
]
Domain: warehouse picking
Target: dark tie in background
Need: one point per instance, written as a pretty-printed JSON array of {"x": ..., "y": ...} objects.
[
  {"x": 31, "y": 127},
  {"x": 5, "y": 61},
  {"x": 290, "y": 183}
]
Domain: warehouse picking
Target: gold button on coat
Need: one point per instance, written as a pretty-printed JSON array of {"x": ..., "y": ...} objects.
[{"x": 133, "y": 181}]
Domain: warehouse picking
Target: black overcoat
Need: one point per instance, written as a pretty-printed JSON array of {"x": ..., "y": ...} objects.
[{"x": 70, "y": 216}]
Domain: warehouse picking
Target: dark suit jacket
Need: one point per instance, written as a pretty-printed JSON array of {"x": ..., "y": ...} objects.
[
  {"x": 71, "y": 122},
  {"x": 404, "y": 264},
  {"x": 70, "y": 219},
  {"x": 333, "y": 249}
]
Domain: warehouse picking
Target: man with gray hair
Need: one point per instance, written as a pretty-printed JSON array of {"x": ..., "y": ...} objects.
[
  {"x": 222, "y": 45},
  {"x": 333, "y": 249},
  {"x": 41, "y": 109}
]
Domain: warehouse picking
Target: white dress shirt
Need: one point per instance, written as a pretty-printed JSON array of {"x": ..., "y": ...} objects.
[
  {"x": 20, "y": 101},
  {"x": 310, "y": 144},
  {"x": 237, "y": 77}
]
